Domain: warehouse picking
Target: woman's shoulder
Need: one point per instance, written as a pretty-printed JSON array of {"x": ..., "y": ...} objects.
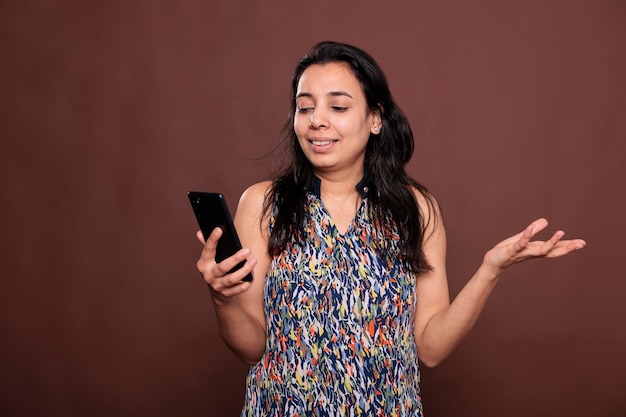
[
  {"x": 422, "y": 195},
  {"x": 426, "y": 201},
  {"x": 253, "y": 197},
  {"x": 430, "y": 210},
  {"x": 257, "y": 190}
]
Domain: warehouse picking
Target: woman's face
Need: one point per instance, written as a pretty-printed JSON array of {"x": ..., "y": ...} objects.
[{"x": 332, "y": 121}]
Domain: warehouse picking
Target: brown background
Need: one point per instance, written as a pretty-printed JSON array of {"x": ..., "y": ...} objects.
[{"x": 112, "y": 111}]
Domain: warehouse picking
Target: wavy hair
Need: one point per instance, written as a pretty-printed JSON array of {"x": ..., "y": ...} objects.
[{"x": 391, "y": 197}]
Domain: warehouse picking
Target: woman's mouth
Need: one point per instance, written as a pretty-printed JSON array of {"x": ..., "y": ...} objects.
[
  {"x": 322, "y": 145},
  {"x": 322, "y": 142}
]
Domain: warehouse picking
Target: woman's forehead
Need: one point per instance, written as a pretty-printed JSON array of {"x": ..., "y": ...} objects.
[{"x": 328, "y": 78}]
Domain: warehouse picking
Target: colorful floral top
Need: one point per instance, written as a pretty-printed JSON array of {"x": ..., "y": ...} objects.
[{"x": 339, "y": 327}]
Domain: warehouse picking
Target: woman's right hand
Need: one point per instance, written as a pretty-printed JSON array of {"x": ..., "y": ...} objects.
[{"x": 223, "y": 285}]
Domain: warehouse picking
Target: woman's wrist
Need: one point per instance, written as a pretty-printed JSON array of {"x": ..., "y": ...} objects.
[{"x": 489, "y": 272}]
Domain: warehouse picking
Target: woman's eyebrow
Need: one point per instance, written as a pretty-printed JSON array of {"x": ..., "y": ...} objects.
[
  {"x": 339, "y": 93},
  {"x": 332, "y": 93}
]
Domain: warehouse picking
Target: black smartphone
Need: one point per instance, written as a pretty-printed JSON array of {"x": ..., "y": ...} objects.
[{"x": 212, "y": 211}]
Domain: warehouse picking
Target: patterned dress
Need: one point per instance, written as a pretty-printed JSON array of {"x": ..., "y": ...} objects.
[{"x": 339, "y": 326}]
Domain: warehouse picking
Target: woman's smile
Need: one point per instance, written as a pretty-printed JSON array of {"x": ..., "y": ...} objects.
[{"x": 322, "y": 144}]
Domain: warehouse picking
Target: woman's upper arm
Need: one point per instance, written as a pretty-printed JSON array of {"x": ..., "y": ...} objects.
[
  {"x": 432, "y": 286},
  {"x": 252, "y": 228}
]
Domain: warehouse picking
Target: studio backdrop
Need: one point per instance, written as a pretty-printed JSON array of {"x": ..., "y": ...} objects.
[{"x": 112, "y": 111}]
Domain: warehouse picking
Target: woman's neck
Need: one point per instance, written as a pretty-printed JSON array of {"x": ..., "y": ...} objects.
[{"x": 339, "y": 185}]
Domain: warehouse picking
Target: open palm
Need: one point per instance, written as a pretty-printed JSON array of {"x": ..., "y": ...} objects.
[{"x": 520, "y": 247}]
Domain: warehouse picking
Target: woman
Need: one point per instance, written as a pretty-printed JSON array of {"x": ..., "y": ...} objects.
[{"x": 348, "y": 257}]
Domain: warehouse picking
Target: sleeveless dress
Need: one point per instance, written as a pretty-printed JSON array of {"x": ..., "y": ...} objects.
[{"x": 339, "y": 326}]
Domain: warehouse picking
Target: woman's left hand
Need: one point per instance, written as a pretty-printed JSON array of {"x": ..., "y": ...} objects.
[{"x": 520, "y": 247}]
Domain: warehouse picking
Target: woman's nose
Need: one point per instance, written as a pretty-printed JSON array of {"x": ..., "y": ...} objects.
[{"x": 318, "y": 119}]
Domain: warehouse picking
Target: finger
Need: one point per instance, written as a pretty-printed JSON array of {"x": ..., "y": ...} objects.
[
  {"x": 236, "y": 277},
  {"x": 513, "y": 240},
  {"x": 230, "y": 282},
  {"x": 532, "y": 229},
  {"x": 564, "y": 247},
  {"x": 522, "y": 238},
  {"x": 232, "y": 290},
  {"x": 558, "y": 235},
  {"x": 546, "y": 247},
  {"x": 538, "y": 225},
  {"x": 211, "y": 243},
  {"x": 526, "y": 235},
  {"x": 226, "y": 265},
  {"x": 219, "y": 275}
]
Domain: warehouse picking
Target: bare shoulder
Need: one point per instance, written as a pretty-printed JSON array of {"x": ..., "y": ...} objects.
[
  {"x": 431, "y": 215},
  {"x": 427, "y": 203},
  {"x": 254, "y": 195},
  {"x": 251, "y": 201}
]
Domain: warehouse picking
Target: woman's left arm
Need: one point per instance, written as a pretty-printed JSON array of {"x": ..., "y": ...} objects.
[{"x": 441, "y": 325}]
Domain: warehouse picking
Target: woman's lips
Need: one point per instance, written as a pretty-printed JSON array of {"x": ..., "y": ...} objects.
[{"x": 321, "y": 144}]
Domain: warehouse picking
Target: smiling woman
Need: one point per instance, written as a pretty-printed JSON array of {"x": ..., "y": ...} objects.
[
  {"x": 348, "y": 252},
  {"x": 333, "y": 122}
]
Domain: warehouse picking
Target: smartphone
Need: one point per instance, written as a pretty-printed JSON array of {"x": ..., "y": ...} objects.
[{"x": 212, "y": 211}]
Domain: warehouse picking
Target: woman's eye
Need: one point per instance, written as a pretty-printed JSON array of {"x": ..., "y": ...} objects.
[
  {"x": 339, "y": 108},
  {"x": 304, "y": 109}
]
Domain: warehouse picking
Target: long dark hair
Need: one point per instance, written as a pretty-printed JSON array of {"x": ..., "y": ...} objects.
[{"x": 391, "y": 197}]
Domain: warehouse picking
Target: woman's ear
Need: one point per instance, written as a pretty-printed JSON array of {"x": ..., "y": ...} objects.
[{"x": 377, "y": 121}]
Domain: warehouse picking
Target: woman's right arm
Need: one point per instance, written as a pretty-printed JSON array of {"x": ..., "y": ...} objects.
[{"x": 238, "y": 304}]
